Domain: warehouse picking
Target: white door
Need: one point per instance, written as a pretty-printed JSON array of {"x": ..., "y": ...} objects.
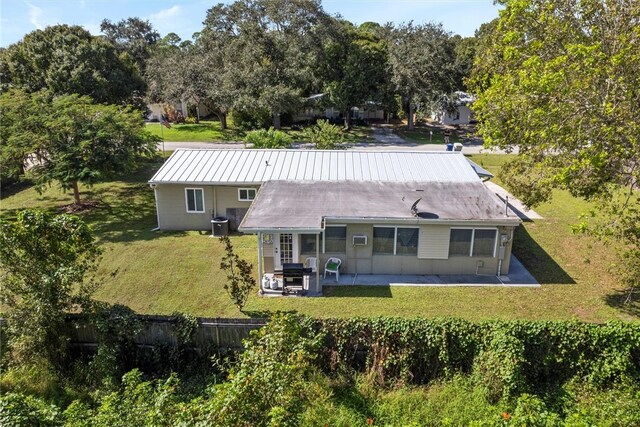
[{"x": 285, "y": 249}]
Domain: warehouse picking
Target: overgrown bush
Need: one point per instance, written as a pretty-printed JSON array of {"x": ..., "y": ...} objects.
[
  {"x": 324, "y": 135},
  {"x": 268, "y": 139}
]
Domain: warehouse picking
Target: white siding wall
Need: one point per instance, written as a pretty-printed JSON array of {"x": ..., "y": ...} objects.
[{"x": 434, "y": 242}]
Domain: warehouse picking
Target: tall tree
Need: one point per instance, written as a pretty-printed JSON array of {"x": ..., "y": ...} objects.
[
  {"x": 68, "y": 59},
  {"x": 44, "y": 259},
  {"x": 73, "y": 140},
  {"x": 356, "y": 70},
  {"x": 273, "y": 45},
  {"x": 422, "y": 59},
  {"x": 134, "y": 36},
  {"x": 465, "y": 52},
  {"x": 560, "y": 82}
]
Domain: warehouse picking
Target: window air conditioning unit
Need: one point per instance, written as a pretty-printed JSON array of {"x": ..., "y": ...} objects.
[{"x": 360, "y": 240}]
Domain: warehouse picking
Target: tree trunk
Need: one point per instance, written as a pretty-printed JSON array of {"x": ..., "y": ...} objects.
[
  {"x": 410, "y": 116},
  {"x": 347, "y": 119},
  {"x": 223, "y": 119},
  {"x": 76, "y": 193},
  {"x": 276, "y": 121}
]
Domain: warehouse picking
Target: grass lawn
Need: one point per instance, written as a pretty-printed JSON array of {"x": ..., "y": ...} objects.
[
  {"x": 420, "y": 134},
  {"x": 205, "y": 131},
  {"x": 209, "y": 131},
  {"x": 161, "y": 272}
]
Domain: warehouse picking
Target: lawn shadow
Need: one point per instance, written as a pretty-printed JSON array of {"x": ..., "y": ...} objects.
[
  {"x": 346, "y": 291},
  {"x": 620, "y": 300},
  {"x": 537, "y": 261}
]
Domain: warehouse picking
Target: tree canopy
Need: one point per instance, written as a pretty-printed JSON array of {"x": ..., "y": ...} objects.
[
  {"x": 560, "y": 83},
  {"x": 44, "y": 260},
  {"x": 82, "y": 142},
  {"x": 67, "y": 59},
  {"x": 422, "y": 58},
  {"x": 134, "y": 36}
]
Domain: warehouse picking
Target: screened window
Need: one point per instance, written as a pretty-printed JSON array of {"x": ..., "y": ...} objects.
[
  {"x": 484, "y": 242},
  {"x": 195, "y": 200},
  {"x": 407, "y": 241},
  {"x": 246, "y": 194},
  {"x": 472, "y": 242},
  {"x": 335, "y": 239},
  {"x": 460, "y": 242},
  {"x": 383, "y": 238},
  {"x": 308, "y": 243}
]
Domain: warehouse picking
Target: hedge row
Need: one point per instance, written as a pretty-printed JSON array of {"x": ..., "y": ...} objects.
[{"x": 515, "y": 356}]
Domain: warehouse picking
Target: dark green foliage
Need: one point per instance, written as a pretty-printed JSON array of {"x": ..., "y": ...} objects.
[
  {"x": 117, "y": 327},
  {"x": 70, "y": 138},
  {"x": 44, "y": 259},
  {"x": 133, "y": 36},
  {"x": 20, "y": 410},
  {"x": 521, "y": 374},
  {"x": 511, "y": 357},
  {"x": 67, "y": 59},
  {"x": 268, "y": 139},
  {"x": 324, "y": 135},
  {"x": 239, "y": 275}
]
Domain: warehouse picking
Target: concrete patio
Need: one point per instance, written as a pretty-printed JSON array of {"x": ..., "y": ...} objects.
[{"x": 518, "y": 277}]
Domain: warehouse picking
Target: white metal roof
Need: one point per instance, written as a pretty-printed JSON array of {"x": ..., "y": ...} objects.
[{"x": 238, "y": 166}]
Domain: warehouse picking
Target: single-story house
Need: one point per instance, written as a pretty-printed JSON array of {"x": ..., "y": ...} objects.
[
  {"x": 378, "y": 212},
  {"x": 458, "y": 112},
  {"x": 313, "y": 111},
  {"x": 157, "y": 109}
]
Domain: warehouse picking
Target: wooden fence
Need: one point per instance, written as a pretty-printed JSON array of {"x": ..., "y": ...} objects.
[{"x": 222, "y": 333}]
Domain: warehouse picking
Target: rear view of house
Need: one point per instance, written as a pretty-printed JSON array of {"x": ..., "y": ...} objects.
[{"x": 378, "y": 212}]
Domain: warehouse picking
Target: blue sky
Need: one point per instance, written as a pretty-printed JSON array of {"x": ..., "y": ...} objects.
[{"x": 19, "y": 17}]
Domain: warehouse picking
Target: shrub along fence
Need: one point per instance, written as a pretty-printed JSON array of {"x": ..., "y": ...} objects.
[
  {"x": 509, "y": 357},
  {"x": 223, "y": 334}
]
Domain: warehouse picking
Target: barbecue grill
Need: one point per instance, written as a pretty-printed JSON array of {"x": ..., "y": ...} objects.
[{"x": 293, "y": 275}]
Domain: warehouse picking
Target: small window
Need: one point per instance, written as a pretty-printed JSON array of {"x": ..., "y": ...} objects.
[
  {"x": 195, "y": 200},
  {"x": 407, "y": 241},
  {"x": 246, "y": 194},
  {"x": 484, "y": 242},
  {"x": 383, "y": 238},
  {"x": 460, "y": 242},
  {"x": 308, "y": 243},
  {"x": 335, "y": 239}
]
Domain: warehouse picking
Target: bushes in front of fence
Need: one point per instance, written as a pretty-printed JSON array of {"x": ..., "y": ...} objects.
[
  {"x": 278, "y": 380},
  {"x": 507, "y": 357}
]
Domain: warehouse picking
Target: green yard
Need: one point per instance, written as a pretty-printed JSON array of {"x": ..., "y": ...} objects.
[
  {"x": 205, "y": 131},
  {"x": 425, "y": 135},
  {"x": 209, "y": 131},
  {"x": 161, "y": 272}
]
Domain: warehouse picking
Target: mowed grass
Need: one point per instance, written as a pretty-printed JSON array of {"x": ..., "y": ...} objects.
[
  {"x": 163, "y": 272},
  {"x": 425, "y": 135},
  {"x": 210, "y": 131},
  {"x": 205, "y": 131}
]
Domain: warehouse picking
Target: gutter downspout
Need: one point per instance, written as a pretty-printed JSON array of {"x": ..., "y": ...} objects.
[
  {"x": 155, "y": 196},
  {"x": 260, "y": 261}
]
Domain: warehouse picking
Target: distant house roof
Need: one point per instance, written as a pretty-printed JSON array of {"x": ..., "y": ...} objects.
[
  {"x": 303, "y": 205},
  {"x": 220, "y": 167}
]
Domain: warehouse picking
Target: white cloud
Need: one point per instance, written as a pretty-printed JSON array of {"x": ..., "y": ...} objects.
[
  {"x": 165, "y": 14},
  {"x": 35, "y": 16}
]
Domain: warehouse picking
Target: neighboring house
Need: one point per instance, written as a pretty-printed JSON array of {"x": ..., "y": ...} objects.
[
  {"x": 312, "y": 111},
  {"x": 155, "y": 110},
  {"x": 356, "y": 206},
  {"x": 456, "y": 113}
]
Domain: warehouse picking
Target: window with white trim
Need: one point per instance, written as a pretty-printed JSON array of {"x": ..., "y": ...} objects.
[
  {"x": 395, "y": 240},
  {"x": 246, "y": 194},
  {"x": 194, "y": 198},
  {"x": 477, "y": 242}
]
